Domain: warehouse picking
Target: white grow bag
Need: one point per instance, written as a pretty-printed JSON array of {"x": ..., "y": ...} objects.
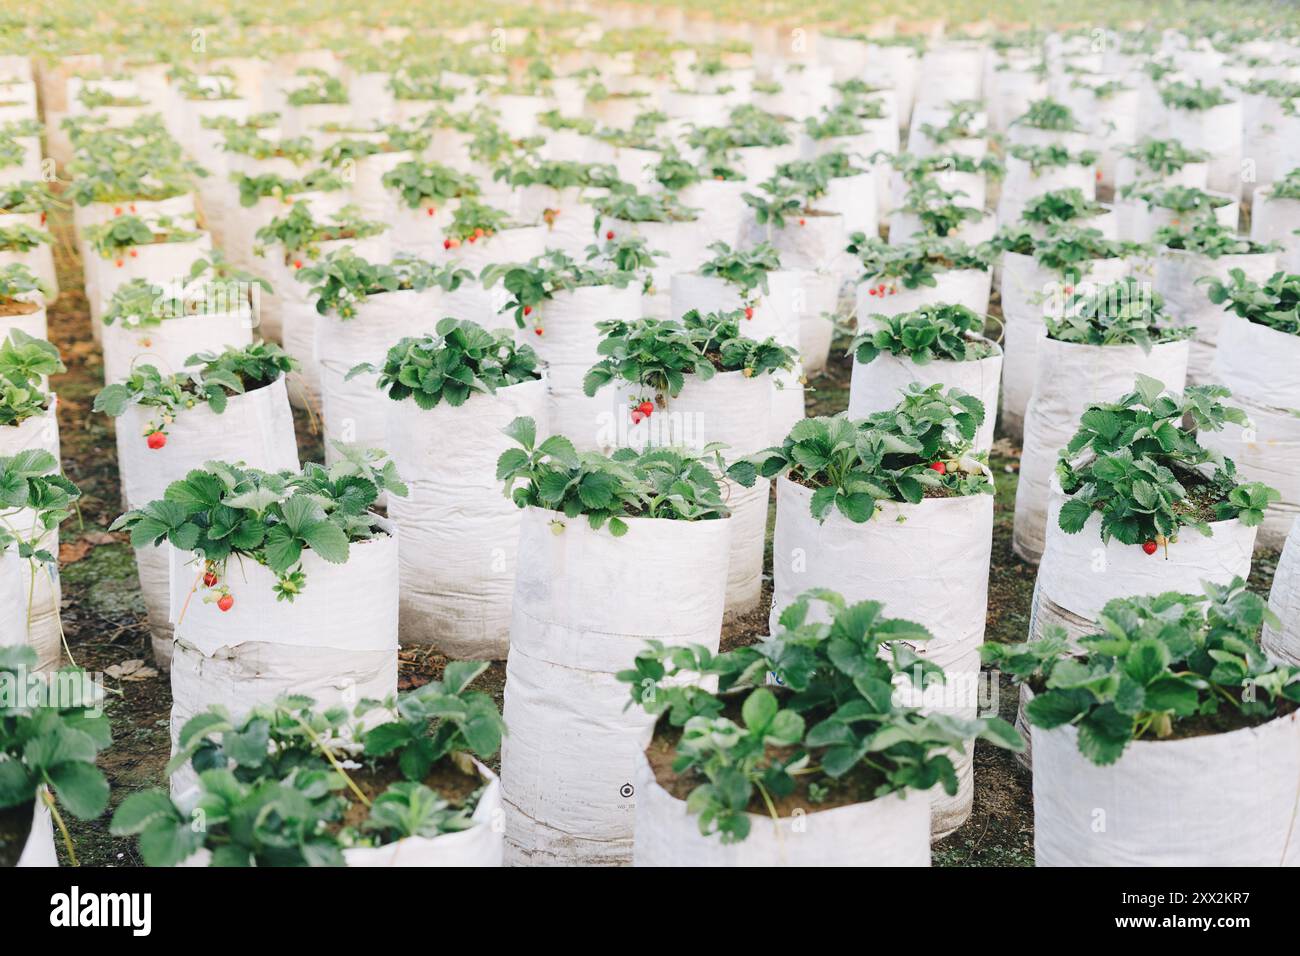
[
  {"x": 459, "y": 532},
  {"x": 968, "y": 287},
  {"x": 736, "y": 411},
  {"x": 1260, "y": 365},
  {"x": 893, "y": 830},
  {"x": 585, "y": 604},
  {"x": 1176, "y": 273},
  {"x": 568, "y": 346},
  {"x": 684, "y": 245},
  {"x": 1274, "y": 220},
  {"x": 877, "y": 386},
  {"x": 1079, "y": 574},
  {"x": 482, "y": 844},
  {"x": 1282, "y": 640},
  {"x": 256, "y": 428},
  {"x": 336, "y": 642},
  {"x": 895, "y": 558},
  {"x": 355, "y": 410},
  {"x": 167, "y": 345},
  {"x": 39, "y": 848},
  {"x": 289, "y": 315},
  {"x": 1070, "y": 378},
  {"x": 1219, "y": 800},
  {"x": 1028, "y": 291},
  {"x": 1218, "y": 131},
  {"x": 32, "y": 589}
]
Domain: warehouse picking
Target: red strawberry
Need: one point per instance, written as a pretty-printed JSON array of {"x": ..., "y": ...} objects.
[
  {"x": 43, "y": 218},
  {"x": 478, "y": 232},
  {"x": 134, "y": 254},
  {"x": 646, "y": 407},
  {"x": 1149, "y": 547},
  {"x": 939, "y": 466},
  {"x": 226, "y": 602},
  {"x": 430, "y": 211},
  {"x": 528, "y": 310},
  {"x": 872, "y": 292},
  {"x": 446, "y": 243},
  {"x": 537, "y": 331},
  {"x": 117, "y": 210},
  {"x": 156, "y": 440},
  {"x": 1099, "y": 175},
  {"x": 610, "y": 234},
  {"x": 803, "y": 222},
  {"x": 209, "y": 579},
  {"x": 637, "y": 416},
  {"x": 893, "y": 290},
  {"x": 118, "y": 263},
  {"x": 749, "y": 311},
  {"x": 473, "y": 238},
  {"x": 297, "y": 263},
  {"x": 133, "y": 207}
]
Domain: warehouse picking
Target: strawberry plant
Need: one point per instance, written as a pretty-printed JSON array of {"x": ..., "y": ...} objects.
[
  {"x": 223, "y": 511},
  {"x": 746, "y": 269},
  {"x": 1126, "y": 312},
  {"x": 1054, "y": 156},
  {"x": 638, "y": 207},
  {"x": 93, "y": 97},
  {"x": 1065, "y": 249},
  {"x": 1164, "y": 157},
  {"x": 914, "y": 264},
  {"x": 948, "y": 333},
  {"x": 416, "y": 83},
  {"x": 1154, "y": 664},
  {"x": 675, "y": 173},
  {"x": 24, "y": 361},
  {"x": 915, "y": 169},
  {"x": 299, "y": 234},
  {"x": 472, "y": 221},
  {"x": 213, "y": 287},
  {"x": 1060, "y": 206},
  {"x": 557, "y": 174},
  {"x": 117, "y": 237},
  {"x": 831, "y": 723},
  {"x": 19, "y": 286},
  {"x": 1137, "y": 462},
  {"x": 428, "y": 185},
  {"x": 625, "y": 253},
  {"x": 888, "y": 456},
  {"x": 22, "y": 238},
  {"x": 35, "y": 499},
  {"x": 837, "y": 121},
  {"x": 462, "y": 359},
  {"x": 961, "y": 124},
  {"x": 1189, "y": 201},
  {"x": 1189, "y": 96},
  {"x": 213, "y": 379},
  {"x": 1048, "y": 114},
  {"x": 51, "y": 733},
  {"x": 659, "y": 483},
  {"x": 274, "y": 186},
  {"x": 533, "y": 283},
  {"x": 1209, "y": 238},
  {"x": 319, "y": 89},
  {"x": 937, "y": 209},
  {"x": 747, "y": 126},
  {"x": 658, "y": 354},
  {"x": 343, "y": 280},
  {"x": 246, "y": 141},
  {"x": 1274, "y": 303},
  {"x": 1288, "y": 187},
  {"x": 282, "y": 785},
  {"x": 555, "y": 120}
]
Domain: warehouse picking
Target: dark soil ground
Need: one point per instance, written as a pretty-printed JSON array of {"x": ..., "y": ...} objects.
[{"x": 104, "y": 616}]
